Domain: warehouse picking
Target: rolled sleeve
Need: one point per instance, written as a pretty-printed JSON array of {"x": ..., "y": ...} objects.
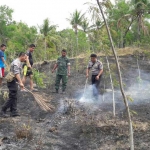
[
  {"x": 89, "y": 66},
  {"x": 68, "y": 62},
  {"x": 16, "y": 69},
  {"x": 101, "y": 66}
]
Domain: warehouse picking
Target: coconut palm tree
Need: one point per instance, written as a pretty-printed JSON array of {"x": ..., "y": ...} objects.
[
  {"x": 85, "y": 25},
  {"x": 45, "y": 29},
  {"x": 138, "y": 11},
  {"x": 76, "y": 19},
  {"x": 141, "y": 7}
]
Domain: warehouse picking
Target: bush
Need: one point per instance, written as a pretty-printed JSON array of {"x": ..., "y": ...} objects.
[{"x": 38, "y": 78}]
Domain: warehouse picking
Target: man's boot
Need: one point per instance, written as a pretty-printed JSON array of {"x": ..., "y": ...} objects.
[
  {"x": 63, "y": 91},
  {"x": 14, "y": 114},
  {"x": 3, "y": 114}
]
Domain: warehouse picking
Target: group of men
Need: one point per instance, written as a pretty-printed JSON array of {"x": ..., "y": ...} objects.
[{"x": 25, "y": 62}]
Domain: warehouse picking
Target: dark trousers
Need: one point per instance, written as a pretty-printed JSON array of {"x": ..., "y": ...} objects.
[
  {"x": 95, "y": 84},
  {"x": 12, "y": 100},
  {"x": 64, "y": 81}
]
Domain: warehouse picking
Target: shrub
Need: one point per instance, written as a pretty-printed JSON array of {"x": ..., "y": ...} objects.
[{"x": 38, "y": 78}]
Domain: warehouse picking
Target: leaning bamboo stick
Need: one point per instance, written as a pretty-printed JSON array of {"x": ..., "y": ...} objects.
[{"x": 120, "y": 78}]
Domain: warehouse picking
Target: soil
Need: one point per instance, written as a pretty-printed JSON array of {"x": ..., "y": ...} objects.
[{"x": 76, "y": 125}]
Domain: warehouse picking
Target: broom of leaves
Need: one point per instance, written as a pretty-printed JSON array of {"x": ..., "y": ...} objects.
[{"x": 41, "y": 101}]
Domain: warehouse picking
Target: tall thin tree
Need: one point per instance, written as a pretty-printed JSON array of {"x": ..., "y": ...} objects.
[
  {"x": 45, "y": 30},
  {"x": 76, "y": 19},
  {"x": 120, "y": 78}
]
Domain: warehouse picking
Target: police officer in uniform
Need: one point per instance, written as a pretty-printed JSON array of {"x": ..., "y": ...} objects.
[
  {"x": 15, "y": 69},
  {"x": 96, "y": 68}
]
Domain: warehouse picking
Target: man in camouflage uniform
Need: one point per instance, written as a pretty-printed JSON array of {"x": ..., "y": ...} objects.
[{"x": 63, "y": 70}]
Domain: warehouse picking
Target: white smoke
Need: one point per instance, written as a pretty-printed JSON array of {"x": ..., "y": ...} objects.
[{"x": 138, "y": 91}]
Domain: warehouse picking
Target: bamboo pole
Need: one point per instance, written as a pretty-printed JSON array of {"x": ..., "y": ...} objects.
[
  {"x": 120, "y": 78},
  {"x": 85, "y": 86},
  {"x": 112, "y": 87}
]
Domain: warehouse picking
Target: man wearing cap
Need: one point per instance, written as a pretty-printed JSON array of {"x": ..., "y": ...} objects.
[{"x": 96, "y": 68}]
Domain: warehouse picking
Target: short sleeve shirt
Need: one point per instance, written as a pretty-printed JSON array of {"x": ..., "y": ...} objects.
[
  {"x": 30, "y": 58},
  {"x": 2, "y": 65},
  {"x": 16, "y": 66},
  {"x": 63, "y": 63},
  {"x": 95, "y": 67}
]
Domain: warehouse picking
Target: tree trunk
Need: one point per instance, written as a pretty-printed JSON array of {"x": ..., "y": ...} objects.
[
  {"x": 112, "y": 87},
  {"x": 45, "y": 49},
  {"x": 124, "y": 36},
  {"x": 121, "y": 44},
  {"x": 76, "y": 42},
  {"x": 139, "y": 30},
  {"x": 104, "y": 90},
  {"x": 139, "y": 77},
  {"x": 120, "y": 79},
  {"x": 76, "y": 32},
  {"x": 71, "y": 50}
]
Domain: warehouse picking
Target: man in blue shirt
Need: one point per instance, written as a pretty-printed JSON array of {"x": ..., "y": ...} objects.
[{"x": 2, "y": 62}]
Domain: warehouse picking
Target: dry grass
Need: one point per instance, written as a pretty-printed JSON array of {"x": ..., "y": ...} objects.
[
  {"x": 140, "y": 126},
  {"x": 24, "y": 131},
  {"x": 128, "y": 51},
  {"x": 120, "y": 52}
]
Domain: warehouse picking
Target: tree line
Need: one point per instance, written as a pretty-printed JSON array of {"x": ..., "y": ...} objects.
[{"x": 128, "y": 21}]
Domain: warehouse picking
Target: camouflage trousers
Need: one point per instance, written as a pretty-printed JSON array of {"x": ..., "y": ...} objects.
[{"x": 64, "y": 82}]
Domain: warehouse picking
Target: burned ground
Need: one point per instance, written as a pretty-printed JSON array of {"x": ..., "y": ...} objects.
[{"x": 75, "y": 125}]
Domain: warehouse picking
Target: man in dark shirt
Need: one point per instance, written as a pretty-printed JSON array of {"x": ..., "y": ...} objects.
[{"x": 27, "y": 67}]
